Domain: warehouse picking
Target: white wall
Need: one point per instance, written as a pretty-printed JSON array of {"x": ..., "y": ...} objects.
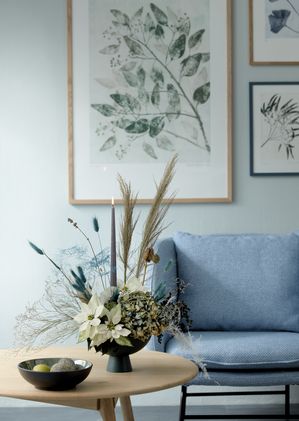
[{"x": 33, "y": 158}]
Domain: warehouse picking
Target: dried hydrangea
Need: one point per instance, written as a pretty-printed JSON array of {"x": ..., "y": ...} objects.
[{"x": 140, "y": 314}]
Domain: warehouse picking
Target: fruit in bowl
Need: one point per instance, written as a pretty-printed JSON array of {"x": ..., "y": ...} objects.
[{"x": 55, "y": 373}]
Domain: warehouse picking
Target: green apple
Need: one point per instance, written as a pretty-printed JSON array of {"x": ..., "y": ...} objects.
[{"x": 41, "y": 367}]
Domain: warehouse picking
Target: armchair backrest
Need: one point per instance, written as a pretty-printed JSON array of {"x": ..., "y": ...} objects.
[{"x": 239, "y": 282}]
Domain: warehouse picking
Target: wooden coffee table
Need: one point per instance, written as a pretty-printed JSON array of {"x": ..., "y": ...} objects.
[{"x": 152, "y": 371}]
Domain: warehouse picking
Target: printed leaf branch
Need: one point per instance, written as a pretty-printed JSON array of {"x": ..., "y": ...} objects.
[{"x": 164, "y": 39}]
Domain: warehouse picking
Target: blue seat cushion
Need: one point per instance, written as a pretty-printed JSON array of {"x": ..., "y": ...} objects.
[
  {"x": 240, "y": 350},
  {"x": 240, "y": 282}
]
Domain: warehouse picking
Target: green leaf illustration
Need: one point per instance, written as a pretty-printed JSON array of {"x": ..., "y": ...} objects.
[
  {"x": 134, "y": 47},
  {"x": 155, "y": 97},
  {"x": 202, "y": 94},
  {"x": 121, "y": 17},
  {"x": 122, "y": 123},
  {"x": 126, "y": 101},
  {"x": 184, "y": 26},
  {"x": 141, "y": 76},
  {"x": 205, "y": 57},
  {"x": 121, "y": 29},
  {"x": 156, "y": 126},
  {"x": 160, "y": 16},
  {"x": 149, "y": 24},
  {"x": 108, "y": 144},
  {"x": 157, "y": 76},
  {"x": 129, "y": 66},
  {"x": 131, "y": 78},
  {"x": 190, "y": 65},
  {"x": 172, "y": 17},
  {"x": 195, "y": 38},
  {"x": 139, "y": 126},
  {"x": 136, "y": 16},
  {"x": 149, "y": 150},
  {"x": 143, "y": 95},
  {"x": 111, "y": 49},
  {"x": 164, "y": 143},
  {"x": 106, "y": 82},
  {"x": 174, "y": 108},
  {"x": 177, "y": 48},
  {"x": 105, "y": 109},
  {"x": 159, "y": 32}
]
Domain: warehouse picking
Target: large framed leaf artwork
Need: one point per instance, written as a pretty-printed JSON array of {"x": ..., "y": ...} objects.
[
  {"x": 274, "y": 32},
  {"x": 148, "y": 80},
  {"x": 274, "y": 128}
]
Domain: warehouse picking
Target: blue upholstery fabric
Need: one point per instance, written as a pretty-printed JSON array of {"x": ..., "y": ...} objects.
[
  {"x": 249, "y": 378},
  {"x": 240, "y": 282},
  {"x": 241, "y": 350},
  {"x": 165, "y": 271}
]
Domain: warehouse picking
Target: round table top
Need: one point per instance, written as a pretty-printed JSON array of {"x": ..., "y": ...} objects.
[{"x": 152, "y": 371}]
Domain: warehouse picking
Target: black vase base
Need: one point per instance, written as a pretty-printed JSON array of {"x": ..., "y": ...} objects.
[{"x": 119, "y": 364}]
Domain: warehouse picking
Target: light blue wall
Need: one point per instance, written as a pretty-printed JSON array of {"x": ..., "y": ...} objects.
[
  {"x": 33, "y": 154},
  {"x": 33, "y": 151}
]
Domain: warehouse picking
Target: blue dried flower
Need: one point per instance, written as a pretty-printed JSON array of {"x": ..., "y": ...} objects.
[{"x": 96, "y": 224}]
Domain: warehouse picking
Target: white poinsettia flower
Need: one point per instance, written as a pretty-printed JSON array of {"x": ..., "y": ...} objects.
[
  {"x": 111, "y": 329},
  {"x": 134, "y": 284},
  {"x": 89, "y": 318}
]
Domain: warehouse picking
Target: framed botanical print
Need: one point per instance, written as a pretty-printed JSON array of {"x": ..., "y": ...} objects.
[
  {"x": 274, "y": 128},
  {"x": 148, "y": 80},
  {"x": 274, "y": 31}
]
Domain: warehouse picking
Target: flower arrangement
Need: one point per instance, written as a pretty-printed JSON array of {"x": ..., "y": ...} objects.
[{"x": 118, "y": 313}]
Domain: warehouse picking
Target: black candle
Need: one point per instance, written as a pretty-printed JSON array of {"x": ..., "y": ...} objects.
[{"x": 113, "y": 273}]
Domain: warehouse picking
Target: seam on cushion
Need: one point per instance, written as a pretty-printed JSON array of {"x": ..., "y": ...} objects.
[{"x": 248, "y": 364}]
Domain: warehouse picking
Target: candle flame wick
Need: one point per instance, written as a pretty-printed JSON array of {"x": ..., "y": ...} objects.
[{"x": 112, "y": 201}]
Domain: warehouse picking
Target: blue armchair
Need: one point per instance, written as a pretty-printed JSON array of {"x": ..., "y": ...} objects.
[{"x": 243, "y": 295}]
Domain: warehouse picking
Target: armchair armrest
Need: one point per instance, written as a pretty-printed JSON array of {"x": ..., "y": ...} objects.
[{"x": 166, "y": 271}]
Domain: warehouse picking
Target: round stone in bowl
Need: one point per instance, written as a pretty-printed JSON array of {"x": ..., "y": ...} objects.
[{"x": 66, "y": 374}]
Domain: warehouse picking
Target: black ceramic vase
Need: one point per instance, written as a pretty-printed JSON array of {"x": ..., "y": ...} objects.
[{"x": 119, "y": 356}]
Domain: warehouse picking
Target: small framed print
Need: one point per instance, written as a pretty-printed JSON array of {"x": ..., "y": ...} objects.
[
  {"x": 274, "y": 31},
  {"x": 274, "y": 128}
]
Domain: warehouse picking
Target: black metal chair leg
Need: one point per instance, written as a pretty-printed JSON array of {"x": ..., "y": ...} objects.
[
  {"x": 183, "y": 403},
  {"x": 286, "y": 415},
  {"x": 287, "y": 400}
]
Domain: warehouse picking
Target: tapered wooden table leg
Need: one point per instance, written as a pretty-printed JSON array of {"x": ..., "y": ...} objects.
[
  {"x": 107, "y": 409},
  {"x": 126, "y": 408}
]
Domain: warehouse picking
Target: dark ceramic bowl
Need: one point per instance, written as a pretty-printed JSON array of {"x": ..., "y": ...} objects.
[{"x": 62, "y": 380}]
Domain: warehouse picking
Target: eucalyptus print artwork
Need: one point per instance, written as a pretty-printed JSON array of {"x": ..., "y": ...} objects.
[
  {"x": 149, "y": 81},
  {"x": 283, "y": 18}
]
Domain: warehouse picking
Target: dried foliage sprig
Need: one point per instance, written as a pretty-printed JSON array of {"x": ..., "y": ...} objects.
[
  {"x": 79, "y": 284},
  {"x": 43, "y": 253},
  {"x": 96, "y": 226},
  {"x": 153, "y": 226},
  {"x": 50, "y": 319},
  {"x": 128, "y": 224}
]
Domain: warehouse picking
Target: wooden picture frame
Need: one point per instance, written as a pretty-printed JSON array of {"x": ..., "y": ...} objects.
[
  {"x": 274, "y": 128},
  {"x": 133, "y": 104},
  {"x": 273, "y": 32}
]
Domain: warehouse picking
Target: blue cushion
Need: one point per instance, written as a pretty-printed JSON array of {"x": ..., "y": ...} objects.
[
  {"x": 240, "y": 282},
  {"x": 246, "y": 378},
  {"x": 241, "y": 350}
]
